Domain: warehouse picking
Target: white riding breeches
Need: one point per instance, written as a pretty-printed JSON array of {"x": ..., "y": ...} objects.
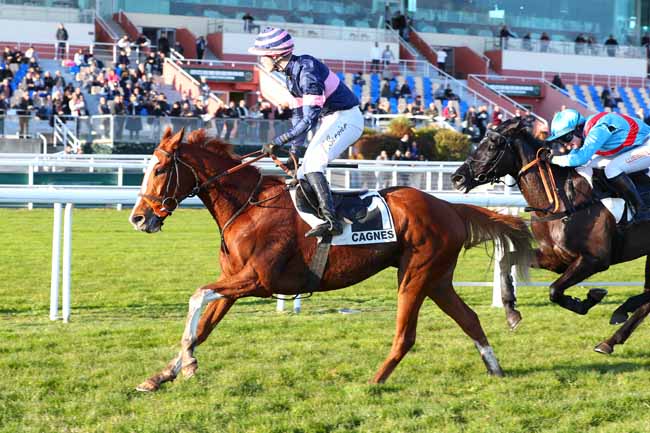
[
  {"x": 336, "y": 133},
  {"x": 636, "y": 159}
]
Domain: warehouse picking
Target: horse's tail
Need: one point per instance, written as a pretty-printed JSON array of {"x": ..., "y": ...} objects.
[{"x": 483, "y": 225}]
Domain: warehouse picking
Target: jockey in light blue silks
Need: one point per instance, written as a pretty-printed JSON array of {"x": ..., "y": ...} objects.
[
  {"x": 317, "y": 94},
  {"x": 618, "y": 143}
]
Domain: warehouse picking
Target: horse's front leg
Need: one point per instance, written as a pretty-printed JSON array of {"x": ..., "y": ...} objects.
[
  {"x": 582, "y": 268},
  {"x": 225, "y": 292}
]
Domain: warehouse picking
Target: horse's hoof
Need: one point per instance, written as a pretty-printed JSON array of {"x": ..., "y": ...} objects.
[
  {"x": 190, "y": 369},
  {"x": 618, "y": 317},
  {"x": 514, "y": 319},
  {"x": 597, "y": 295},
  {"x": 604, "y": 348},
  {"x": 148, "y": 385}
]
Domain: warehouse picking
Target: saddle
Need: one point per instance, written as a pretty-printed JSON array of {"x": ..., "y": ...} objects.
[{"x": 349, "y": 205}]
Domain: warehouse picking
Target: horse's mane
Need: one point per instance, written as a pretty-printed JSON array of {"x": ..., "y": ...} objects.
[{"x": 214, "y": 145}]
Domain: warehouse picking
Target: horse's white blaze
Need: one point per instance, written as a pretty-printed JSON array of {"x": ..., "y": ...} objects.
[
  {"x": 197, "y": 301},
  {"x": 487, "y": 353},
  {"x": 145, "y": 180}
]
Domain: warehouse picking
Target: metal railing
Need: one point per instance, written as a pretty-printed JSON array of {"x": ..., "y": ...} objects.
[
  {"x": 64, "y": 135},
  {"x": 562, "y": 47},
  {"x": 431, "y": 176},
  {"x": 18, "y": 125},
  {"x": 315, "y": 31}
]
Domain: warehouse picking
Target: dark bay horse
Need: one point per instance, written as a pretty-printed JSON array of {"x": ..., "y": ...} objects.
[
  {"x": 577, "y": 235},
  {"x": 264, "y": 251}
]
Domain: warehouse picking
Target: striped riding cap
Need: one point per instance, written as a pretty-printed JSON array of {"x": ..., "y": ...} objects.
[{"x": 272, "y": 42}]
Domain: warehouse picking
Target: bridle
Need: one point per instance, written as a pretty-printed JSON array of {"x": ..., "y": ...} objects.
[
  {"x": 545, "y": 172},
  {"x": 490, "y": 175},
  {"x": 168, "y": 202}
]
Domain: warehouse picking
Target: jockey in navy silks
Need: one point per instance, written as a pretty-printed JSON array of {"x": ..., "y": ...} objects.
[
  {"x": 317, "y": 94},
  {"x": 618, "y": 143}
]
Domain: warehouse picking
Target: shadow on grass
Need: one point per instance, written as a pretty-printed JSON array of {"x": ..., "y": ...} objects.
[{"x": 599, "y": 367}]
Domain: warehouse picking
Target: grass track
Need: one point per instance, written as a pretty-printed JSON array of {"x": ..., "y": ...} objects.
[{"x": 266, "y": 372}]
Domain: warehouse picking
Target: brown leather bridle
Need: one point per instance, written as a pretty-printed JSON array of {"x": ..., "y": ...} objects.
[{"x": 163, "y": 206}]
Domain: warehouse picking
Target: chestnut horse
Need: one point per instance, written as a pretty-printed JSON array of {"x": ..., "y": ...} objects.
[
  {"x": 264, "y": 251},
  {"x": 577, "y": 236}
]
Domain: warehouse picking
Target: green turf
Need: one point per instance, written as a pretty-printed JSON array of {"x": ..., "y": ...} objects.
[{"x": 262, "y": 371}]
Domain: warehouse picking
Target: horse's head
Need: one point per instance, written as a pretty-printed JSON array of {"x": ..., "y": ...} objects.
[
  {"x": 497, "y": 154},
  {"x": 167, "y": 181}
]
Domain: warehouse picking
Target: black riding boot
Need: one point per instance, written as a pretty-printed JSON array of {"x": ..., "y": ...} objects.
[
  {"x": 626, "y": 189},
  {"x": 333, "y": 226}
]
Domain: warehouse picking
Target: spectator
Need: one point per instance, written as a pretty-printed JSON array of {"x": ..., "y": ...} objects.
[
  {"x": 200, "y": 48},
  {"x": 119, "y": 111},
  {"x": 432, "y": 111},
  {"x": 387, "y": 56},
  {"x": 645, "y": 43},
  {"x": 557, "y": 82},
  {"x": 163, "y": 45},
  {"x": 123, "y": 58},
  {"x": 405, "y": 142},
  {"x": 62, "y": 42},
  {"x": 383, "y": 178},
  {"x": 580, "y": 44},
  {"x": 526, "y": 42},
  {"x": 450, "y": 114},
  {"x": 124, "y": 44},
  {"x": 78, "y": 58},
  {"x": 544, "y": 42},
  {"x": 497, "y": 116},
  {"x": 358, "y": 80},
  {"x": 24, "y": 110},
  {"x": 504, "y": 34},
  {"x": 470, "y": 125},
  {"x": 141, "y": 45},
  {"x": 205, "y": 89},
  {"x": 611, "y": 44},
  {"x": 104, "y": 109},
  {"x": 482, "y": 119},
  {"x": 398, "y": 22},
  {"x": 405, "y": 91},
  {"x": 450, "y": 95},
  {"x": 4, "y": 106},
  {"x": 134, "y": 122},
  {"x": 248, "y": 22},
  {"x": 242, "y": 110},
  {"x": 590, "y": 45},
  {"x": 385, "y": 90},
  {"x": 375, "y": 57},
  {"x": 441, "y": 54}
]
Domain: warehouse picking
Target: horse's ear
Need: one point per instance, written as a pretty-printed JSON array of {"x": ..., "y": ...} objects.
[
  {"x": 171, "y": 142},
  {"x": 168, "y": 134},
  {"x": 528, "y": 123}
]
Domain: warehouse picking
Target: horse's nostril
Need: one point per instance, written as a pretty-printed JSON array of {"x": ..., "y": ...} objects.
[
  {"x": 458, "y": 179},
  {"x": 137, "y": 219}
]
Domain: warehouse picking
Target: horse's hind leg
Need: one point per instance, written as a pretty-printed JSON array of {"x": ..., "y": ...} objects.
[
  {"x": 208, "y": 320},
  {"x": 624, "y": 332},
  {"x": 448, "y": 300}
]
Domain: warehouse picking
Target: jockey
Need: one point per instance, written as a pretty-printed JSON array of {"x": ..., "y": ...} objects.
[
  {"x": 318, "y": 94},
  {"x": 619, "y": 143}
]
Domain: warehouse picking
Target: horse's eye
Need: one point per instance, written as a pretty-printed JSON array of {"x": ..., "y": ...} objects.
[{"x": 160, "y": 171}]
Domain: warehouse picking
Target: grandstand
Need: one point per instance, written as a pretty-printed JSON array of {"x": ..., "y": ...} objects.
[{"x": 172, "y": 86}]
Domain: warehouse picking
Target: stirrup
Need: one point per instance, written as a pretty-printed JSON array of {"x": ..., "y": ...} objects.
[{"x": 332, "y": 228}]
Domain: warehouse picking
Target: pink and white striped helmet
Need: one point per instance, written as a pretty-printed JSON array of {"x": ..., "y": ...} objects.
[{"x": 272, "y": 42}]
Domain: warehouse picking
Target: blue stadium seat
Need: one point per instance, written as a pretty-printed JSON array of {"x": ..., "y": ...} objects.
[
  {"x": 640, "y": 100},
  {"x": 596, "y": 97},
  {"x": 579, "y": 93},
  {"x": 626, "y": 100}
]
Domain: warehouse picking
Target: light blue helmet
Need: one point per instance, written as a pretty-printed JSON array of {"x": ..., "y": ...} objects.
[{"x": 564, "y": 122}]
